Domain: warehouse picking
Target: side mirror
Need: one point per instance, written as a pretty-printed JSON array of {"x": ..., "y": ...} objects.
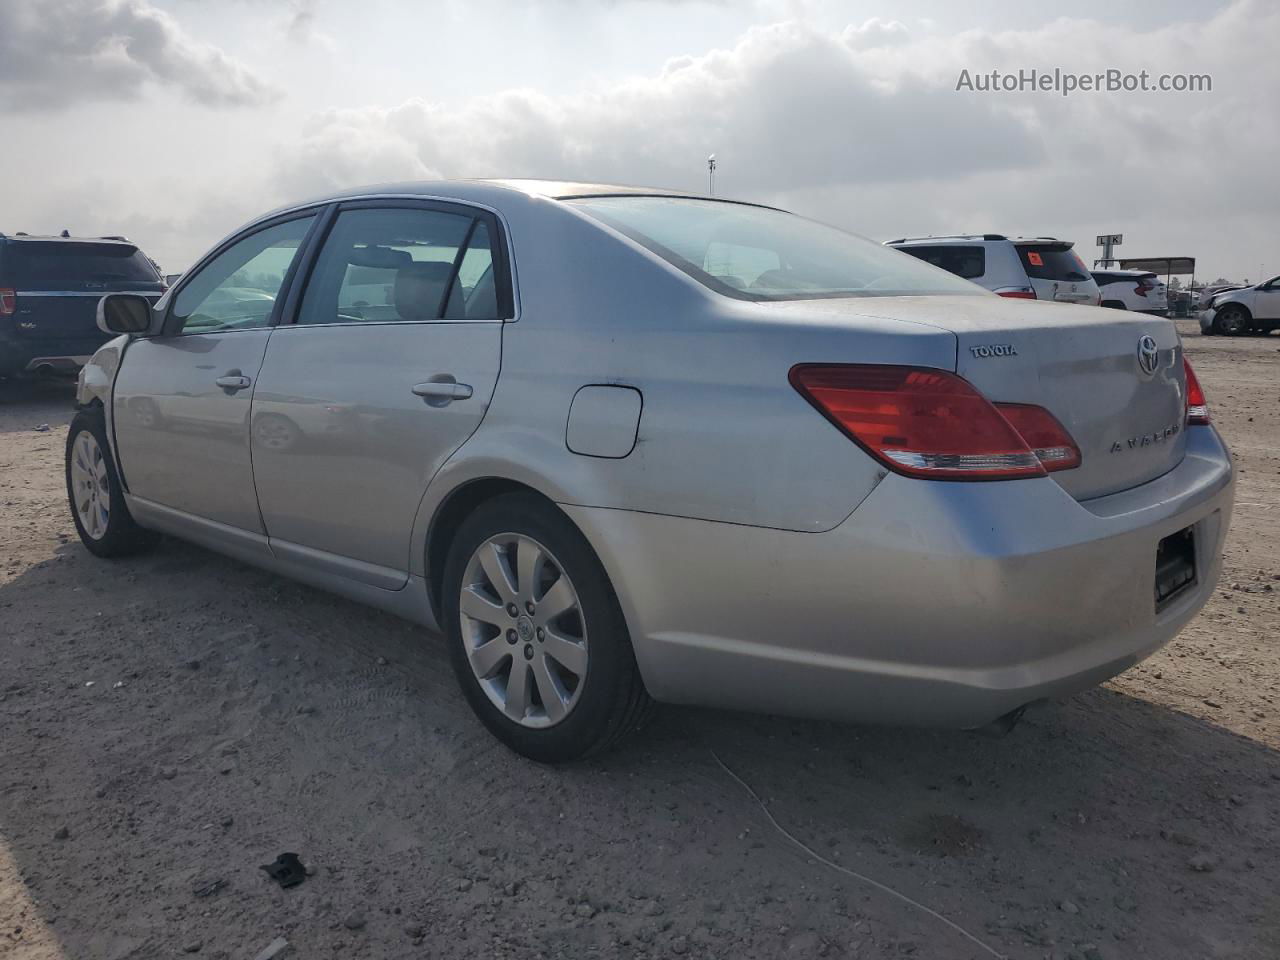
[{"x": 124, "y": 313}]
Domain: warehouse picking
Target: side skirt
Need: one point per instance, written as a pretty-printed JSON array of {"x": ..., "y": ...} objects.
[{"x": 311, "y": 567}]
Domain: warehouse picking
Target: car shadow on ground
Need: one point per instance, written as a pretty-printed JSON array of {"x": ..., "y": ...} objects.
[
  {"x": 174, "y": 720},
  {"x": 27, "y": 404}
]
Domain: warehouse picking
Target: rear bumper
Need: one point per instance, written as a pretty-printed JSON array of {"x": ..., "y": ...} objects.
[
  {"x": 19, "y": 357},
  {"x": 943, "y": 604}
]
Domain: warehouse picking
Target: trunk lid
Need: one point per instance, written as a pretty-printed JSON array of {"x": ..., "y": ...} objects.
[{"x": 1080, "y": 364}]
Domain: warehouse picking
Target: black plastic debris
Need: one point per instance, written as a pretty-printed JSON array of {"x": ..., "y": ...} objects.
[{"x": 287, "y": 870}]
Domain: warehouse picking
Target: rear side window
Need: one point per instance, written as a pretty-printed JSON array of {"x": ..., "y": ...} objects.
[
  {"x": 967, "y": 262},
  {"x": 394, "y": 265},
  {"x": 759, "y": 253},
  {"x": 1052, "y": 262},
  {"x": 72, "y": 265}
]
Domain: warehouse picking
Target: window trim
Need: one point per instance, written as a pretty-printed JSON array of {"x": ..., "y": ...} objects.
[
  {"x": 508, "y": 302},
  {"x": 320, "y": 213}
]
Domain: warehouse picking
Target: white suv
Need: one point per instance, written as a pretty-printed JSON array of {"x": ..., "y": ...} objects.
[
  {"x": 1138, "y": 290},
  {"x": 1253, "y": 309},
  {"x": 1030, "y": 268}
]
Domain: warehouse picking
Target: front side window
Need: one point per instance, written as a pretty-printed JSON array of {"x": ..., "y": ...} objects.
[
  {"x": 758, "y": 253},
  {"x": 237, "y": 290},
  {"x": 393, "y": 265}
]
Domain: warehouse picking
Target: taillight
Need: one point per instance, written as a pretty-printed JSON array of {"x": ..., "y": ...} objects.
[
  {"x": 1197, "y": 405},
  {"x": 1143, "y": 288},
  {"x": 1042, "y": 432},
  {"x": 1018, "y": 294},
  {"x": 8, "y": 301},
  {"x": 923, "y": 422}
]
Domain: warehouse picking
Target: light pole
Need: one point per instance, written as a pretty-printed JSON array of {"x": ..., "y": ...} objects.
[{"x": 711, "y": 175}]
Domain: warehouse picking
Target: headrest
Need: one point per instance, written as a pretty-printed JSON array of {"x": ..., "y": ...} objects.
[
  {"x": 384, "y": 258},
  {"x": 420, "y": 288}
]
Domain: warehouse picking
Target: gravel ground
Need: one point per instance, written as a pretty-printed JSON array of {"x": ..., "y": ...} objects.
[{"x": 173, "y": 721}]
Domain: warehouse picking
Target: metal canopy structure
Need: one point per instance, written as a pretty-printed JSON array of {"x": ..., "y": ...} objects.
[{"x": 1166, "y": 265}]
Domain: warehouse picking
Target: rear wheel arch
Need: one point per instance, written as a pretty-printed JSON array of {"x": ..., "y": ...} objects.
[{"x": 449, "y": 516}]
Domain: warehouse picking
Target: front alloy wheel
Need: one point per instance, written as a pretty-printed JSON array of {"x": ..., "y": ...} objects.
[
  {"x": 97, "y": 502},
  {"x": 90, "y": 485},
  {"x": 1232, "y": 321},
  {"x": 523, "y": 630}
]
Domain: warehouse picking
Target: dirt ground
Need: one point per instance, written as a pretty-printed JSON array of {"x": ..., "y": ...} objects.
[{"x": 171, "y": 722}]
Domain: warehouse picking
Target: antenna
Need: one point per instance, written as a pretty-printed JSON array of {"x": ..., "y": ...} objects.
[{"x": 711, "y": 175}]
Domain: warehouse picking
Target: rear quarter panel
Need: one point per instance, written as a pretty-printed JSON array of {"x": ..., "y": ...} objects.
[{"x": 723, "y": 436}]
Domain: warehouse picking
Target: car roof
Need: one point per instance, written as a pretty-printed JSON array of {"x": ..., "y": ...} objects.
[
  {"x": 43, "y": 238},
  {"x": 975, "y": 238},
  {"x": 491, "y": 192}
]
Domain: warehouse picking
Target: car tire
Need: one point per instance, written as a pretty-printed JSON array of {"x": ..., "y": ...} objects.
[
  {"x": 1232, "y": 321},
  {"x": 510, "y": 556},
  {"x": 94, "y": 492}
]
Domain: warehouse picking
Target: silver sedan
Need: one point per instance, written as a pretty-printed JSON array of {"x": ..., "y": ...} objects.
[{"x": 623, "y": 445}]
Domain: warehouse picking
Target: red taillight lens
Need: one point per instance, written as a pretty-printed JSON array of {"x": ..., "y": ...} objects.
[
  {"x": 1197, "y": 405},
  {"x": 8, "y": 301},
  {"x": 929, "y": 423},
  {"x": 1042, "y": 432},
  {"x": 1018, "y": 294},
  {"x": 1143, "y": 288}
]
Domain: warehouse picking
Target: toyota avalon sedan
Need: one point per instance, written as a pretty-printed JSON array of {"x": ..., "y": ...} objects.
[{"x": 623, "y": 445}]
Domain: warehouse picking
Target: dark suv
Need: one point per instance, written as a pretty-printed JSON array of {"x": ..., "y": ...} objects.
[{"x": 49, "y": 292}]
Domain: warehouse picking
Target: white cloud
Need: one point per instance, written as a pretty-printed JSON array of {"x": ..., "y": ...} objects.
[
  {"x": 58, "y": 53},
  {"x": 865, "y": 127},
  {"x": 786, "y": 104},
  {"x": 859, "y": 125}
]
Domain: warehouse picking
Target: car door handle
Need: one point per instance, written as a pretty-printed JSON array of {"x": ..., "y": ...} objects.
[
  {"x": 232, "y": 382},
  {"x": 445, "y": 390}
]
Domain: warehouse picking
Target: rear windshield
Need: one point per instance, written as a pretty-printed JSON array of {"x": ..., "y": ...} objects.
[
  {"x": 757, "y": 253},
  {"x": 1053, "y": 262},
  {"x": 31, "y": 265},
  {"x": 967, "y": 262}
]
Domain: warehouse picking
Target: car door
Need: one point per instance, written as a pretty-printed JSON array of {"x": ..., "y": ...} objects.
[
  {"x": 387, "y": 368},
  {"x": 181, "y": 400},
  {"x": 1266, "y": 303}
]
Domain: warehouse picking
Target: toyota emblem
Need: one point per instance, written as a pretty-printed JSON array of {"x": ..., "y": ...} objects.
[{"x": 1148, "y": 355}]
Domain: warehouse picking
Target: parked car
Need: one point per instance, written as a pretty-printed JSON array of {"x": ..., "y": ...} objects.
[
  {"x": 1208, "y": 293},
  {"x": 1039, "y": 268},
  {"x": 1139, "y": 290},
  {"x": 1243, "y": 310},
  {"x": 49, "y": 292},
  {"x": 623, "y": 445}
]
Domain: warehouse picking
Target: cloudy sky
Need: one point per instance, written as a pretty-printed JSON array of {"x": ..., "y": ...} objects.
[{"x": 175, "y": 120}]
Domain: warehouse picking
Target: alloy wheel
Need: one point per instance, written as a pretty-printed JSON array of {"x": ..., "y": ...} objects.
[
  {"x": 91, "y": 485},
  {"x": 523, "y": 630},
  {"x": 1232, "y": 322}
]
